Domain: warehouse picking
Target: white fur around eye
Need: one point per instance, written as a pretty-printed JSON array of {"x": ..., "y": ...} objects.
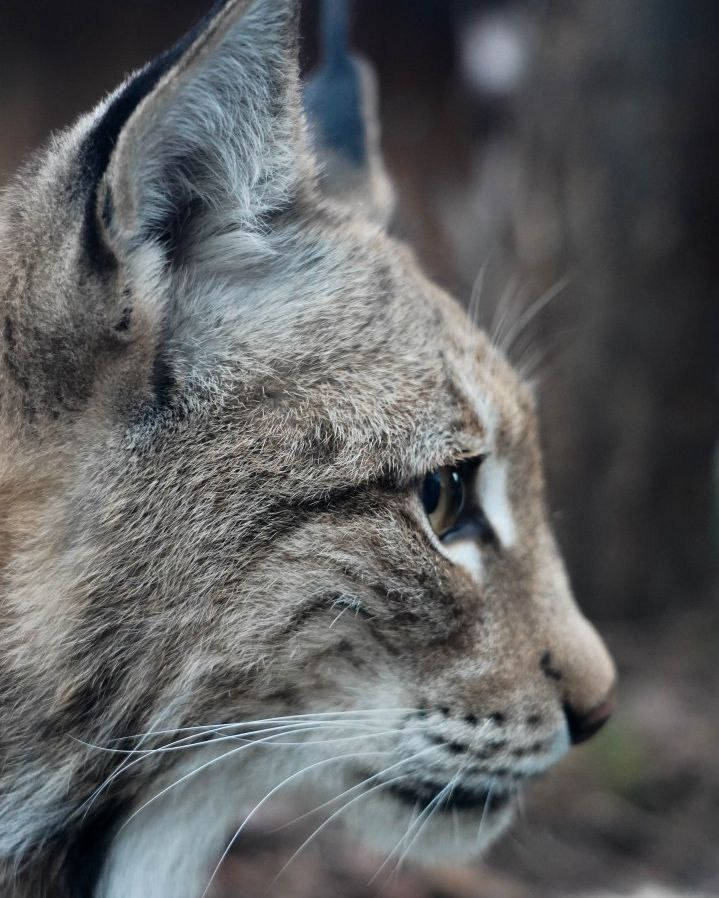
[
  {"x": 465, "y": 553},
  {"x": 494, "y": 500}
]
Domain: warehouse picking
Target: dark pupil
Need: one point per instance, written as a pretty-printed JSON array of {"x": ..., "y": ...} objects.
[{"x": 431, "y": 491}]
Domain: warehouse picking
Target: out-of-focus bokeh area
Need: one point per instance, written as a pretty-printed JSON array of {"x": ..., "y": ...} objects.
[{"x": 557, "y": 147}]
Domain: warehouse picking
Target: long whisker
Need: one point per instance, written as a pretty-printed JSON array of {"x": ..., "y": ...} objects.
[
  {"x": 197, "y": 770},
  {"x": 502, "y": 311},
  {"x": 267, "y": 721},
  {"x": 477, "y": 293},
  {"x": 325, "y": 823},
  {"x": 185, "y": 742},
  {"x": 199, "y": 732},
  {"x": 123, "y": 766},
  {"x": 415, "y": 828},
  {"x": 269, "y": 795},
  {"x": 487, "y": 802},
  {"x": 336, "y": 619},
  {"x": 136, "y": 757},
  {"x": 531, "y": 313},
  {"x": 359, "y": 785},
  {"x": 545, "y": 356},
  {"x": 417, "y": 820},
  {"x": 420, "y": 823}
]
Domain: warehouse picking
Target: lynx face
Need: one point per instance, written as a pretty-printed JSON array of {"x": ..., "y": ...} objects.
[{"x": 268, "y": 501}]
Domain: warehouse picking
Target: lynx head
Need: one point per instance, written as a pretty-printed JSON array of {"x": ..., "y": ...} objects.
[{"x": 257, "y": 468}]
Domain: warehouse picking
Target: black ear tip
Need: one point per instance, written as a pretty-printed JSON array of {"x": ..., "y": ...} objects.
[{"x": 99, "y": 143}]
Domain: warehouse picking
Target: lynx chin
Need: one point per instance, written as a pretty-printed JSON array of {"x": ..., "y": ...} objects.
[{"x": 272, "y": 511}]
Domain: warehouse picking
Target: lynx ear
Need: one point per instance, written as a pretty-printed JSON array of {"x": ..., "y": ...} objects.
[
  {"x": 342, "y": 108},
  {"x": 210, "y": 136}
]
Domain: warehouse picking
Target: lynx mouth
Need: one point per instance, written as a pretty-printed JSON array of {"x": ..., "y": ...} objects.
[{"x": 460, "y": 798}]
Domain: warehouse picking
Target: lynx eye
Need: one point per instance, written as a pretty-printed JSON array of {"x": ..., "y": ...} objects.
[{"x": 443, "y": 494}]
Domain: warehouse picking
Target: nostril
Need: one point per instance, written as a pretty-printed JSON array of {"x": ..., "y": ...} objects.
[{"x": 583, "y": 726}]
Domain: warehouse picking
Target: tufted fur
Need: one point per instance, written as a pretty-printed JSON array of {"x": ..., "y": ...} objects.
[{"x": 218, "y": 390}]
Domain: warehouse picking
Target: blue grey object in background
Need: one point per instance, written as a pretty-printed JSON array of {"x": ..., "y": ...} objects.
[{"x": 333, "y": 94}]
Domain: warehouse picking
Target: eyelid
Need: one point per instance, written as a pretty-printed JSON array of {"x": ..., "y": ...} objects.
[
  {"x": 465, "y": 444},
  {"x": 463, "y": 458},
  {"x": 466, "y": 455},
  {"x": 471, "y": 462},
  {"x": 458, "y": 459}
]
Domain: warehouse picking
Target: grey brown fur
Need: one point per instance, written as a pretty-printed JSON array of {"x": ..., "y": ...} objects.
[{"x": 218, "y": 390}]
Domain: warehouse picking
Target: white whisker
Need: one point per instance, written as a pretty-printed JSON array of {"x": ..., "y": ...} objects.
[
  {"x": 338, "y": 617},
  {"x": 266, "y": 721},
  {"x": 531, "y": 313},
  {"x": 137, "y": 756},
  {"x": 487, "y": 802},
  {"x": 197, "y": 770},
  {"x": 502, "y": 311},
  {"x": 177, "y": 744},
  {"x": 477, "y": 293},
  {"x": 269, "y": 795},
  {"x": 423, "y": 820},
  {"x": 325, "y": 823},
  {"x": 364, "y": 782},
  {"x": 545, "y": 355}
]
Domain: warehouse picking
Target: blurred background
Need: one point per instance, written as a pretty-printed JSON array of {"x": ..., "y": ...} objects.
[{"x": 569, "y": 150}]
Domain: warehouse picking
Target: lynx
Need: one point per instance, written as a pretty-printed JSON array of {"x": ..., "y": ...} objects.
[{"x": 272, "y": 510}]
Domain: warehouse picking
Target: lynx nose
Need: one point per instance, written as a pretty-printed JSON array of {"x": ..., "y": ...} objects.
[{"x": 583, "y": 725}]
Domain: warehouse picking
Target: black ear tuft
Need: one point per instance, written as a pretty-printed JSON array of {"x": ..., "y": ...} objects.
[
  {"x": 211, "y": 128},
  {"x": 98, "y": 145}
]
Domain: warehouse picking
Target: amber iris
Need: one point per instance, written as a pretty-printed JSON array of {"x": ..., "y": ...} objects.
[{"x": 443, "y": 497}]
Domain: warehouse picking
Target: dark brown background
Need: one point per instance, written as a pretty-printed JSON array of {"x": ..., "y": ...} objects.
[{"x": 596, "y": 162}]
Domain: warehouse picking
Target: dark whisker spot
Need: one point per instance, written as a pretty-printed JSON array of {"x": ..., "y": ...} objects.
[{"x": 545, "y": 663}]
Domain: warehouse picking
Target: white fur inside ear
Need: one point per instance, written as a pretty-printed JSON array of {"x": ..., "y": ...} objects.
[
  {"x": 494, "y": 500},
  {"x": 223, "y": 127}
]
